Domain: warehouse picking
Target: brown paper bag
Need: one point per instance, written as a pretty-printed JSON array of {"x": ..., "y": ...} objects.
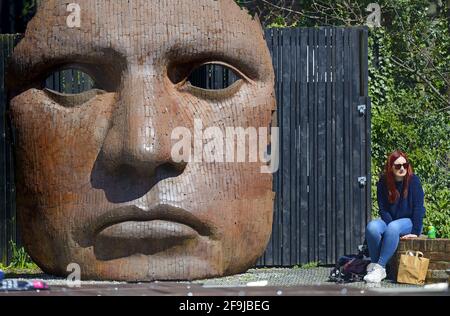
[{"x": 412, "y": 268}]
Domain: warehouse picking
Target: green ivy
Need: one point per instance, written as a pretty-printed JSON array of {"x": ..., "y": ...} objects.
[{"x": 406, "y": 113}]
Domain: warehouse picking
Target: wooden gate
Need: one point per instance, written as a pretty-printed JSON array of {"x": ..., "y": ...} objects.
[{"x": 323, "y": 185}]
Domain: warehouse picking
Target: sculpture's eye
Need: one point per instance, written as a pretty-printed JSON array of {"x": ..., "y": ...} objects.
[
  {"x": 71, "y": 87},
  {"x": 213, "y": 77},
  {"x": 212, "y": 80}
]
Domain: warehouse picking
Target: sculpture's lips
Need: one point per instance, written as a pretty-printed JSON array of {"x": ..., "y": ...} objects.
[
  {"x": 132, "y": 222},
  {"x": 147, "y": 238},
  {"x": 130, "y": 230},
  {"x": 155, "y": 230}
]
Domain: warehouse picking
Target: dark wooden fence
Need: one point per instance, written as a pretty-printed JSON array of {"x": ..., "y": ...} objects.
[
  {"x": 323, "y": 185},
  {"x": 8, "y": 230}
]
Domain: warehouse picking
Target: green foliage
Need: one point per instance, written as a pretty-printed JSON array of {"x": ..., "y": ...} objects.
[
  {"x": 29, "y": 8},
  {"x": 20, "y": 259},
  {"x": 309, "y": 265},
  {"x": 437, "y": 205},
  {"x": 280, "y": 22},
  {"x": 408, "y": 87}
]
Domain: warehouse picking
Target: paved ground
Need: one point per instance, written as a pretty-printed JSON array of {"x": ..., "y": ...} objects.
[
  {"x": 273, "y": 281},
  {"x": 292, "y": 277}
]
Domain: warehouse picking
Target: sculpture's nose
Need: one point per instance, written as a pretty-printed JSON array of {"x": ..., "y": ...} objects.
[{"x": 136, "y": 153}]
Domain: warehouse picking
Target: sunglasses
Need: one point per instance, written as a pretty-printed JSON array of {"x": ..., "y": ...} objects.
[{"x": 399, "y": 165}]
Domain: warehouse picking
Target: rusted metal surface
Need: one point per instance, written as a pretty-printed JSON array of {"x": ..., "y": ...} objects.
[{"x": 96, "y": 182}]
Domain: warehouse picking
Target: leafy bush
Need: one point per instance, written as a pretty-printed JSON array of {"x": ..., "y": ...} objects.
[{"x": 409, "y": 109}]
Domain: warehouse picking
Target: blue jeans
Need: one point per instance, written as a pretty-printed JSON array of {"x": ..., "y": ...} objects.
[{"x": 383, "y": 239}]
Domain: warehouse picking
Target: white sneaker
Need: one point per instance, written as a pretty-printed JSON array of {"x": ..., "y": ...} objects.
[
  {"x": 370, "y": 267},
  {"x": 377, "y": 274}
]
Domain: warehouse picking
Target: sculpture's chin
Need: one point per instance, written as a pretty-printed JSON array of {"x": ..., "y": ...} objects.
[
  {"x": 159, "y": 268},
  {"x": 136, "y": 260}
]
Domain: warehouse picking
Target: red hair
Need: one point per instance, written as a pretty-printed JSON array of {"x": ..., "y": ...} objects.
[{"x": 389, "y": 177}]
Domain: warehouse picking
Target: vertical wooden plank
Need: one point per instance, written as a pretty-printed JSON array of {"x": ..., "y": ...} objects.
[
  {"x": 368, "y": 161},
  {"x": 356, "y": 131},
  {"x": 315, "y": 146},
  {"x": 267, "y": 259},
  {"x": 362, "y": 131},
  {"x": 52, "y": 84},
  {"x": 57, "y": 81},
  {"x": 2, "y": 153},
  {"x": 7, "y": 196},
  {"x": 357, "y": 136},
  {"x": 294, "y": 148},
  {"x": 339, "y": 159},
  {"x": 367, "y": 127},
  {"x": 303, "y": 189},
  {"x": 6, "y": 189},
  {"x": 49, "y": 82},
  {"x": 277, "y": 241},
  {"x": 328, "y": 155},
  {"x": 296, "y": 163},
  {"x": 311, "y": 145},
  {"x": 321, "y": 147},
  {"x": 11, "y": 177},
  {"x": 347, "y": 142},
  {"x": 80, "y": 83},
  {"x": 72, "y": 81},
  {"x": 63, "y": 81},
  {"x": 286, "y": 145},
  {"x": 333, "y": 156},
  {"x": 209, "y": 80},
  {"x": 218, "y": 77},
  {"x": 9, "y": 220},
  {"x": 10, "y": 213},
  {"x": 204, "y": 77}
]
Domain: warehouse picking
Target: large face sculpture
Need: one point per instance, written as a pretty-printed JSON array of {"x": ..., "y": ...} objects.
[{"x": 97, "y": 184}]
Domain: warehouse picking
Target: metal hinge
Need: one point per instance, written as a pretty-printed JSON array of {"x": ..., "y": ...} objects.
[
  {"x": 362, "y": 109},
  {"x": 362, "y": 181}
]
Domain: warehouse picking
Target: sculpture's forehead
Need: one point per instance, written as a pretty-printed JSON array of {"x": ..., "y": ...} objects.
[
  {"x": 143, "y": 28},
  {"x": 146, "y": 32}
]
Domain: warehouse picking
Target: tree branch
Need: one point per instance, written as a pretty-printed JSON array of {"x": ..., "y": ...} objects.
[{"x": 400, "y": 63}]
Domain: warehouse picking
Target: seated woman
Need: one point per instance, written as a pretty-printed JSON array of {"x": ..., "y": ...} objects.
[{"x": 400, "y": 200}]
